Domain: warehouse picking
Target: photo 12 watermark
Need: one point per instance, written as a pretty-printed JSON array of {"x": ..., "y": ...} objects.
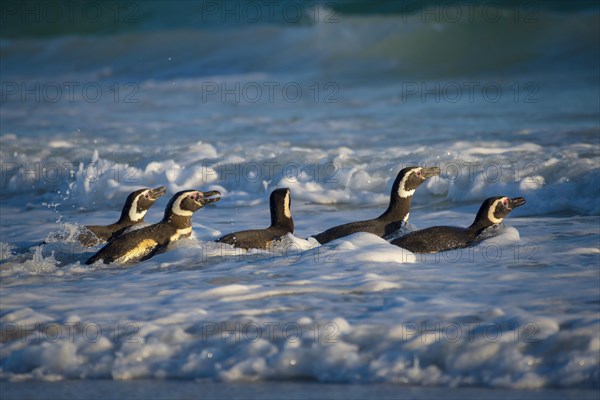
[
  {"x": 488, "y": 251},
  {"x": 68, "y": 92},
  {"x": 57, "y": 173},
  {"x": 270, "y": 170},
  {"x": 63, "y": 248},
  {"x": 71, "y": 332},
  {"x": 278, "y": 251},
  {"x": 272, "y": 331},
  {"x": 470, "y": 92},
  {"x": 269, "y": 92},
  {"x": 471, "y": 12},
  {"x": 268, "y": 12}
]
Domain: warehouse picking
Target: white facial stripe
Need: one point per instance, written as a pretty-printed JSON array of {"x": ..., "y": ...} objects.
[
  {"x": 180, "y": 233},
  {"x": 491, "y": 216},
  {"x": 134, "y": 215},
  {"x": 177, "y": 206},
  {"x": 407, "y": 193},
  {"x": 286, "y": 206}
]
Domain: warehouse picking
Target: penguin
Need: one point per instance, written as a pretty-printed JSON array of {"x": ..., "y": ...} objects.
[
  {"x": 281, "y": 224},
  {"x": 442, "y": 238},
  {"x": 144, "y": 243},
  {"x": 407, "y": 181},
  {"x": 134, "y": 210}
]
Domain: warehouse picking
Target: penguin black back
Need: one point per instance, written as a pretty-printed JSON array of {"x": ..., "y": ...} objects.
[
  {"x": 144, "y": 243},
  {"x": 406, "y": 183},
  {"x": 133, "y": 212},
  {"x": 281, "y": 224},
  {"x": 441, "y": 238}
]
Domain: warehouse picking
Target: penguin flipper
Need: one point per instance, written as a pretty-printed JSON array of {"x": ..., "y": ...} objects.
[
  {"x": 228, "y": 239},
  {"x": 343, "y": 230},
  {"x": 94, "y": 235},
  {"x": 143, "y": 250},
  {"x": 107, "y": 254},
  {"x": 97, "y": 257},
  {"x": 156, "y": 251},
  {"x": 89, "y": 239},
  {"x": 250, "y": 239},
  {"x": 117, "y": 234},
  {"x": 115, "y": 251}
]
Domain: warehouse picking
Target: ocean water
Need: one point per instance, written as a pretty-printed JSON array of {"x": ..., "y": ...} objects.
[{"x": 332, "y": 106}]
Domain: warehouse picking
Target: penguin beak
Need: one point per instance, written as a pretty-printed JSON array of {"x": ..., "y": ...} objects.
[
  {"x": 516, "y": 202},
  {"x": 429, "y": 172},
  {"x": 205, "y": 198},
  {"x": 156, "y": 193}
]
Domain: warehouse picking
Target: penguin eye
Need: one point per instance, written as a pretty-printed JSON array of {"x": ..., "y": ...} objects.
[
  {"x": 419, "y": 173},
  {"x": 505, "y": 202},
  {"x": 147, "y": 196}
]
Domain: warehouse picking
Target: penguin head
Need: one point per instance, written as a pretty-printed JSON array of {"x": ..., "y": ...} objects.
[
  {"x": 140, "y": 201},
  {"x": 186, "y": 202},
  {"x": 495, "y": 209},
  {"x": 410, "y": 178},
  {"x": 280, "y": 205}
]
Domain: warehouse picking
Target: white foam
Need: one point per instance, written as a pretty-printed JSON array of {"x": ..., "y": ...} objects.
[
  {"x": 364, "y": 306},
  {"x": 371, "y": 248},
  {"x": 338, "y": 177}
]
